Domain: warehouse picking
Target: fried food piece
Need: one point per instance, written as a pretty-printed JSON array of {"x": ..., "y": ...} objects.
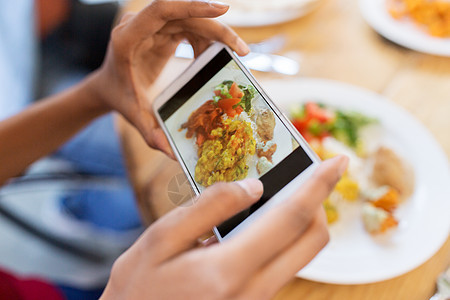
[
  {"x": 265, "y": 123},
  {"x": 390, "y": 170},
  {"x": 267, "y": 150},
  {"x": 432, "y": 15}
]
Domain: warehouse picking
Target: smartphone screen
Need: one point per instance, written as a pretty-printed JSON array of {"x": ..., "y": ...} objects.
[{"x": 225, "y": 130}]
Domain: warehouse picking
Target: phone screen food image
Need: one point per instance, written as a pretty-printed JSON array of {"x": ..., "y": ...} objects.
[{"x": 224, "y": 130}]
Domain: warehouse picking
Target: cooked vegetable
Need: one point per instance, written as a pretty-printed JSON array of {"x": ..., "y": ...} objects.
[
  {"x": 331, "y": 211},
  {"x": 346, "y": 126},
  {"x": 230, "y": 90},
  {"x": 348, "y": 188},
  {"x": 432, "y": 15},
  {"x": 235, "y": 91},
  {"x": 316, "y": 121},
  {"x": 249, "y": 93},
  {"x": 202, "y": 121},
  {"x": 377, "y": 220},
  {"x": 223, "y": 91},
  {"x": 224, "y": 158}
]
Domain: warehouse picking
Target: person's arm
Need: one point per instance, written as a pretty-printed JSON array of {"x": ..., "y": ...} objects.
[
  {"x": 140, "y": 47},
  {"x": 46, "y": 125}
]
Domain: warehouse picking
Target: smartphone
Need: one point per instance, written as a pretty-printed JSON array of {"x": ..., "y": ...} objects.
[{"x": 222, "y": 126}]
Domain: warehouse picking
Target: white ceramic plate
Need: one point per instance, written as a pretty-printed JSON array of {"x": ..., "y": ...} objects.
[
  {"x": 252, "y": 13},
  {"x": 353, "y": 256},
  {"x": 403, "y": 33}
]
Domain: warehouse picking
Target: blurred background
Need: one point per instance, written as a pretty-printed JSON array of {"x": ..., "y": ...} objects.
[{"x": 72, "y": 213}]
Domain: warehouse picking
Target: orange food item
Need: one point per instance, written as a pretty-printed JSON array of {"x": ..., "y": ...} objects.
[
  {"x": 432, "y": 15},
  {"x": 235, "y": 91},
  {"x": 389, "y": 201},
  {"x": 227, "y": 104},
  {"x": 202, "y": 121},
  {"x": 389, "y": 222}
]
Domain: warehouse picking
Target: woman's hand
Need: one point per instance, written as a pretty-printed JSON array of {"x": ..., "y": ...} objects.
[
  {"x": 140, "y": 46},
  {"x": 166, "y": 264}
]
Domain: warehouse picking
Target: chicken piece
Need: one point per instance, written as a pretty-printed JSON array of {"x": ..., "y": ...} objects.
[
  {"x": 266, "y": 150},
  {"x": 390, "y": 170},
  {"x": 265, "y": 123}
]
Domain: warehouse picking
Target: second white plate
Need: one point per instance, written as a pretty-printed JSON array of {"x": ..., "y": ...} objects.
[
  {"x": 353, "y": 256},
  {"x": 405, "y": 34},
  {"x": 253, "y": 13}
]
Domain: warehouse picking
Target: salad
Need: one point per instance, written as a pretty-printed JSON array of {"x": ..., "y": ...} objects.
[{"x": 378, "y": 179}]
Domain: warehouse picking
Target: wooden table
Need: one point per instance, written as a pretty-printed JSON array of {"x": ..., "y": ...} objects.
[{"x": 333, "y": 42}]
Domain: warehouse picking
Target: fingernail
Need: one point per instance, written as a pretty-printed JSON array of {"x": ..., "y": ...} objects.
[
  {"x": 243, "y": 47},
  {"x": 342, "y": 164},
  {"x": 252, "y": 186},
  {"x": 218, "y": 4}
]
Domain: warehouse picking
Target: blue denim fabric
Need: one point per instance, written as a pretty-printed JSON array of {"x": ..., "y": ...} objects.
[
  {"x": 111, "y": 209},
  {"x": 96, "y": 150}
]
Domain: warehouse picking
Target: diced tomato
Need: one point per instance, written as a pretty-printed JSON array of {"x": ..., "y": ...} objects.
[
  {"x": 314, "y": 111},
  {"x": 227, "y": 104},
  {"x": 239, "y": 109},
  {"x": 235, "y": 91},
  {"x": 301, "y": 125},
  {"x": 308, "y": 136},
  {"x": 324, "y": 135}
]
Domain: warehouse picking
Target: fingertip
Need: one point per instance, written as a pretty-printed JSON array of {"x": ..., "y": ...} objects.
[
  {"x": 242, "y": 47},
  {"x": 219, "y": 5},
  {"x": 340, "y": 162},
  {"x": 252, "y": 186}
]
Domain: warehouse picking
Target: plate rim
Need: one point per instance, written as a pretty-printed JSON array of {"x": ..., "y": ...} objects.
[
  {"x": 279, "y": 16},
  {"x": 383, "y": 101},
  {"x": 402, "y": 35}
]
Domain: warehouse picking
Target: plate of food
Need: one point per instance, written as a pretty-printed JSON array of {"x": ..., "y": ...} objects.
[
  {"x": 421, "y": 25},
  {"x": 252, "y": 13},
  {"x": 389, "y": 212}
]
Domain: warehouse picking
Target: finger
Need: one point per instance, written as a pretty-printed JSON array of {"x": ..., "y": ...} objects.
[
  {"x": 279, "y": 271},
  {"x": 145, "y": 123},
  {"x": 152, "y": 18},
  {"x": 198, "y": 44},
  {"x": 126, "y": 17},
  {"x": 211, "y": 241},
  {"x": 283, "y": 225},
  {"x": 180, "y": 229},
  {"x": 207, "y": 30},
  {"x": 161, "y": 143}
]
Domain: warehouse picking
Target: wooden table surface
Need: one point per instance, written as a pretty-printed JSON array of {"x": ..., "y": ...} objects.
[{"x": 332, "y": 42}]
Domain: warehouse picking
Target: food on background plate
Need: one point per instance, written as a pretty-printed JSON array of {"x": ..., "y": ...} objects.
[
  {"x": 390, "y": 170},
  {"x": 229, "y": 132},
  {"x": 377, "y": 179},
  {"x": 433, "y": 16}
]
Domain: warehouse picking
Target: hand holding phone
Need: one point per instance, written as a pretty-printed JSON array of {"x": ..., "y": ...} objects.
[
  {"x": 166, "y": 263},
  {"x": 223, "y": 127},
  {"x": 140, "y": 46}
]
